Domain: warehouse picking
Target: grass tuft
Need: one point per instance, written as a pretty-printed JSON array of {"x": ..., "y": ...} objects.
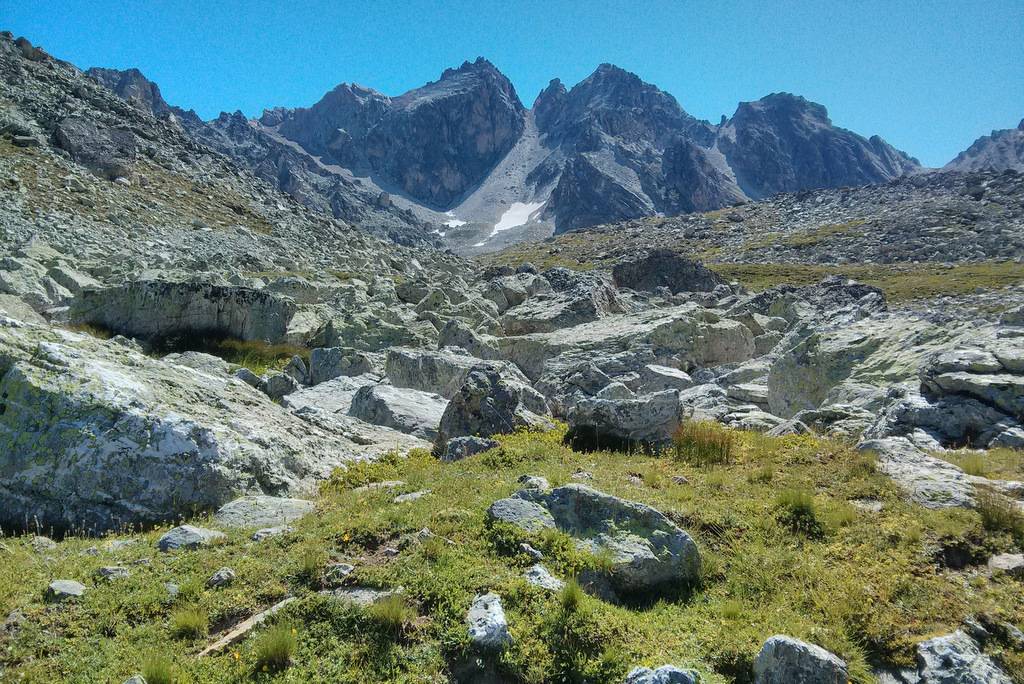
[
  {"x": 392, "y": 615},
  {"x": 795, "y": 509},
  {"x": 703, "y": 443},
  {"x": 158, "y": 669},
  {"x": 189, "y": 623},
  {"x": 275, "y": 648}
]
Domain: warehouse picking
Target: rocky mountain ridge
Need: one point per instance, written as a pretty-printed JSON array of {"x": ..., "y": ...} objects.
[
  {"x": 1000, "y": 150},
  {"x": 490, "y": 172}
]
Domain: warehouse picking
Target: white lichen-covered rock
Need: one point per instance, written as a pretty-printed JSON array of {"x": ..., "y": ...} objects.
[
  {"x": 928, "y": 481},
  {"x": 539, "y": 576},
  {"x": 96, "y": 435},
  {"x": 406, "y": 410},
  {"x": 488, "y": 628},
  {"x": 854, "y": 363},
  {"x": 666, "y": 674},
  {"x": 262, "y": 511},
  {"x": 956, "y": 658},
  {"x": 64, "y": 590},
  {"x": 785, "y": 660},
  {"x": 646, "y": 549}
]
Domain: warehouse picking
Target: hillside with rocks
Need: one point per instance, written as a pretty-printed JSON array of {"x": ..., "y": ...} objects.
[
  {"x": 492, "y": 173},
  {"x": 245, "y": 437}
]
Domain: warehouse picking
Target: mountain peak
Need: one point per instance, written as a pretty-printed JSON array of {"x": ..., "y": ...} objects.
[{"x": 1020, "y": 126}]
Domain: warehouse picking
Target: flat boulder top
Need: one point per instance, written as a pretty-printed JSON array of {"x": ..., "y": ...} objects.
[
  {"x": 262, "y": 511},
  {"x": 646, "y": 548}
]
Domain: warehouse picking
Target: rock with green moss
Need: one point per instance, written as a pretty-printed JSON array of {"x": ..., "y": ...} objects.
[
  {"x": 646, "y": 551},
  {"x": 98, "y": 435}
]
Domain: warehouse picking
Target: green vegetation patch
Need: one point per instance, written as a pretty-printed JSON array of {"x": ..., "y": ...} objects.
[{"x": 785, "y": 546}]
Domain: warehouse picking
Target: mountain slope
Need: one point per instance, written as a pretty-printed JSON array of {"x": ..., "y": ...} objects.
[
  {"x": 461, "y": 158},
  {"x": 998, "y": 151}
]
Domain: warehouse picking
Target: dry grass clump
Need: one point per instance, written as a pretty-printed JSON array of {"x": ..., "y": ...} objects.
[{"x": 703, "y": 443}]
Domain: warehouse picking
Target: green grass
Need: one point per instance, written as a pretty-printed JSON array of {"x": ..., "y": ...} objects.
[
  {"x": 157, "y": 669},
  {"x": 998, "y": 464},
  {"x": 189, "y": 623},
  {"x": 275, "y": 648},
  {"x": 392, "y": 615},
  {"x": 865, "y": 586},
  {"x": 899, "y": 282}
]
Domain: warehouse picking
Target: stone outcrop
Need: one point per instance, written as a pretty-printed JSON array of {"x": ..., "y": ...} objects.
[
  {"x": 647, "y": 551},
  {"x": 784, "y": 660},
  {"x": 120, "y": 438},
  {"x": 161, "y": 310}
]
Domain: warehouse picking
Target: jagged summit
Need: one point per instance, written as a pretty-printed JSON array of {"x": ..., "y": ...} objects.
[{"x": 1003, "y": 149}]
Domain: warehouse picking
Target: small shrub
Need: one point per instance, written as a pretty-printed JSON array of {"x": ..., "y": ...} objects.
[
  {"x": 570, "y": 598},
  {"x": 998, "y": 513},
  {"x": 838, "y": 514},
  {"x": 275, "y": 648},
  {"x": 795, "y": 509},
  {"x": 189, "y": 623},
  {"x": 392, "y": 615},
  {"x": 703, "y": 443},
  {"x": 311, "y": 562},
  {"x": 157, "y": 669}
]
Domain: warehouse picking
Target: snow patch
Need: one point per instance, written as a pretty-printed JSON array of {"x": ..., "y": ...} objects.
[{"x": 518, "y": 214}]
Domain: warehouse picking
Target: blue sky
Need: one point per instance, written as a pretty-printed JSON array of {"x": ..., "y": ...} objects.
[{"x": 928, "y": 76}]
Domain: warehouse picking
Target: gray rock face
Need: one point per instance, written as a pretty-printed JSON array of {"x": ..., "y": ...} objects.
[
  {"x": 666, "y": 674},
  {"x": 107, "y": 151},
  {"x": 161, "y": 310},
  {"x": 538, "y": 576},
  {"x": 665, "y": 268},
  {"x": 459, "y": 448},
  {"x": 998, "y": 151},
  {"x": 262, "y": 511},
  {"x": 406, "y": 410},
  {"x": 131, "y": 85},
  {"x": 647, "y": 550},
  {"x": 489, "y": 404},
  {"x": 651, "y": 419},
  {"x": 121, "y": 437},
  {"x": 783, "y": 143},
  {"x": 64, "y": 590},
  {"x": 956, "y": 658},
  {"x": 188, "y": 537},
  {"x": 488, "y": 628},
  {"x": 785, "y": 660},
  {"x": 473, "y": 112}
]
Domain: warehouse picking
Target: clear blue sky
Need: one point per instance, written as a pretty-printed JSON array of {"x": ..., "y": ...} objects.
[{"x": 929, "y": 76}]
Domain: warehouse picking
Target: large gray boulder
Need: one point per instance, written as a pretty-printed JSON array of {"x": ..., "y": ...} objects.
[
  {"x": 488, "y": 628},
  {"x": 785, "y": 660},
  {"x": 649, "y": 420},
  {"x": 97, "y": 435},
  {"x": 188, "y": 537},
  {"x": 406, "y": 410},
  {"x": 262, "y": 511},
  {"x": 442, "y": 371},
  {"x": 956, "y": 659},
  {"x": 489, "y": 404},
  {"x": 666, "y": 674},
  {"x": 161, "y": 310},
  {"x": 665, "y": 268},
  {"x": 647, "y": 550},
  {"x": 928, "y": 481},
  {"x": 327, "y": 363}
]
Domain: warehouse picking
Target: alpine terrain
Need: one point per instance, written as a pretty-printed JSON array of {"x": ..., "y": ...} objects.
[{"x": 437, "y": 387}]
